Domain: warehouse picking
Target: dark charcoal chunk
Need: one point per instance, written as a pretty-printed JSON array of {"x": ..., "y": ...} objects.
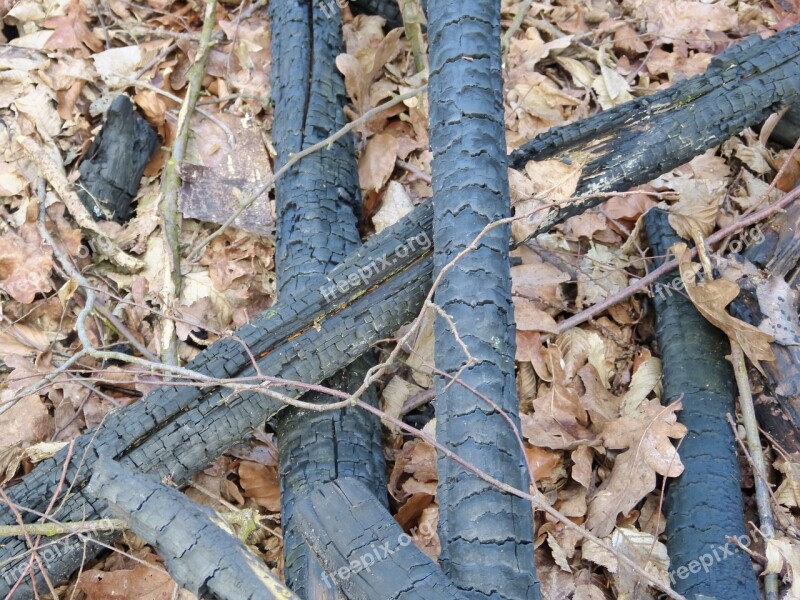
[{"x": 113, "y": 167}]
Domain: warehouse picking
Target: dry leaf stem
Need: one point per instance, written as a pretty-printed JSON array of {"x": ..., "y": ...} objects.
[
  {"x": 750, "y": 422},
  {"x": 170, "y": 184}
]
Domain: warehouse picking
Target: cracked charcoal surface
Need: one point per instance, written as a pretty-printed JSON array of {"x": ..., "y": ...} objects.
[
  {"x": 178, "y": 430},
  {"x": 388, "y": 9},
  {"x": 318, "y": 205},
  {"x": 486, "y": 534},
  {"x": 741, "y": 88},
  {"x": 112, "y": 169},
  {"x": 199, "y": 552},
  {"x": 350, "y": 530},
  {"x": 704, "y": 504}
]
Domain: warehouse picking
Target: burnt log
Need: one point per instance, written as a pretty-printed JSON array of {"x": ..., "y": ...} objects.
[
  {"x": 199, "y": 551},
  {"x": 704, "y": 504},
  {"x": 364, "y": 551}
]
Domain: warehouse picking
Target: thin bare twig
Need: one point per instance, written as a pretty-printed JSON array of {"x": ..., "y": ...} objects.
[
  {"x": 170, "y": 184},
  {"x": 671, "y": 265}
]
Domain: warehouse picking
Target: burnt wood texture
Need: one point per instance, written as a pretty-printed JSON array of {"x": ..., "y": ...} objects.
[
  {"x": 486, "y": 534},
  {"x": 318, "y": 205}
]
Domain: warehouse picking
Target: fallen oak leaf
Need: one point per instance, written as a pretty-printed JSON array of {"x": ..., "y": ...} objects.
[
  {"x": 70, "y": 31},
  {"x": 646, "y": 438},
  {"x": 711, "y": 298}
]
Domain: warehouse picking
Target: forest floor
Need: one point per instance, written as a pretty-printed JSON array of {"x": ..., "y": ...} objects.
[{"x": 62, "y": 62}]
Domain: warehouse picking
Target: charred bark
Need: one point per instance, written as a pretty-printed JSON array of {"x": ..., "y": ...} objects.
[
  {"x": 318, "y": 205},
  {"x": 112, "y": 168},
  {"x": 486, "y": 534},
  {"x": 200, "y": 553},
  {"x": 182, "y": 428},
  {"x": 704, "y": 504},
  {"x": 639, "y": 140},
  {"x": 363, "y": 548}
]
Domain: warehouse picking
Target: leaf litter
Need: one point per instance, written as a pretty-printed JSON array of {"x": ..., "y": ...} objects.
[{"x": 598, "y": 441}]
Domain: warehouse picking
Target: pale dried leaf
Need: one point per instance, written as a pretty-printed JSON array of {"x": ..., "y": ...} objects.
[
  {"x": 529, "y": 317},
  {"x": 644, "y": 381},
  {"x": 396, "y": 205},
  {"x": 649, "y": 450},
  {"x": 711, "y": 298}
]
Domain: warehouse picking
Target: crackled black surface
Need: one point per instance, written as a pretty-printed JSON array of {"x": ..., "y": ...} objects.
[
  {"x": 180, "y": 429},
  {"x": 318, "y": 206},
  {"x": 704, "y": 504},
  {"x": 486, "y": 534},
  {"x": 351, "y": 531},
  {"x": 112, "y": 168}
]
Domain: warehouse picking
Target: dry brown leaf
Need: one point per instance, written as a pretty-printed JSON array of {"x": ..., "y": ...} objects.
[
  {"x": 542, "y": 462},
  {"x": 260, "y": 483},
  {"x": 425, "y": 536},
  {"x": 602, "y": 274},
  {"x": 551, "y": 182},
  {"x": 10, "y": 460},
  {"x": 648, "y": 450},
  {"x": 628, "y": 41},
  {"x": 642, "y": 547},
  {"x": 711, "y": 298},
  {"x": 23, "y": 340},
  {"x": 611, "y": 88},
  {"x": 645, "y": 379},
  {"x": 628, "y": 207},
  {"x": 28, "y": 420},
  {"x": 25, "y": 266},
  {"x": 682, "y": 19},
  {"x": 788, "y": 493},
  {"x": 585, "y": 225},
  {"x": 417, "y": 459},
  {"x": 558, "y": 421},
  {"x": 71, "y": 32},
  {"x": 140, "y": 583},
  {"x": 529, "y": 346},
  {"x": 377, "y": 162},
  {"x": 539, "y": 280},
  {"x": 411, "y": 511},
  {"x": 529, "y": 317},
  {"x": 579, "y": 346},
  {"x": 582, "y": 458},
  {"x": 421, "y": 359}
]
